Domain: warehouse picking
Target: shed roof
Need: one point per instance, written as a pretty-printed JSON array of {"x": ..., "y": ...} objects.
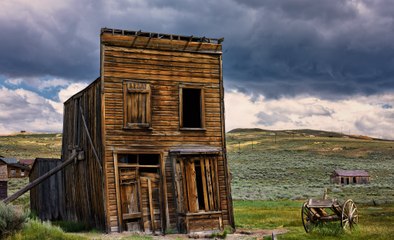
[
  {"x": 351, "y": 173},
  {"x": 9, "y": 160},
  {"x": 195, "y": 149}
]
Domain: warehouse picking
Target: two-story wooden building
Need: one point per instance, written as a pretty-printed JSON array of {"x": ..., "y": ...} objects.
[{"x": 150, "y": 136}]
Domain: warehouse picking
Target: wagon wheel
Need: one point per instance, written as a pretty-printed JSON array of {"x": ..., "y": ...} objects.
[
  {"x": 306, "y": 216},
  {"x": 349, "y": 215}
]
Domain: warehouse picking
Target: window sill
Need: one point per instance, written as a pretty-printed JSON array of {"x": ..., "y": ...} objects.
[
  {"x": 192, "y": 129},
  {"x": 138, "y": 128}
]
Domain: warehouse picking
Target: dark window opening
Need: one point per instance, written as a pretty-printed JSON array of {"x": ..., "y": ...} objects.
[
  {"x": 191, "y": 108},
  {"x": 129, "y": 158},
  {"x": 140, "y": 159},
  {"x": 200, "y": 188},
  {"x": 148, "y": 159},
  {"x": 342, "y": 180},
  {"x": 354, "y": 180}
]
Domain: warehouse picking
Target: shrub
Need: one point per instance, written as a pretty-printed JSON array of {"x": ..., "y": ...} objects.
[
  {"x": 12, "y": 219},
  {"x": 35, "y": 229}
]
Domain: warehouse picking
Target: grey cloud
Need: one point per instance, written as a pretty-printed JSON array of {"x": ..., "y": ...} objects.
[
  {"x": 270, "y": 119},
  {"x": 324, "y": 48}
]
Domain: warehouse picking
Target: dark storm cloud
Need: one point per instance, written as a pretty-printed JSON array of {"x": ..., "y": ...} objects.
[
  {"x": 275, "y": 48},
  {"x": 39, "y": 43}
]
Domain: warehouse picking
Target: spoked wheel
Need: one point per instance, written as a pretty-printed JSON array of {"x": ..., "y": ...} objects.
[
  {"x": 307, "y": 216},
  {"x": 349, "y": 215}
]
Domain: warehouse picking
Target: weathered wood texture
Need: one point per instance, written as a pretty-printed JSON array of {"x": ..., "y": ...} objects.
[
  {"x": 3, "y": 171},
  {"x": 136, "y": 108},
  {"x": 46, "y": 199},
  {"x": 83, "y": 191},
  {"x": 3, "y": 188},
  {"x": 166, "y": 66}
]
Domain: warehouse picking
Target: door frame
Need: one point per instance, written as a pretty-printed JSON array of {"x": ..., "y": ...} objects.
[{"x": 162, "y": 184}]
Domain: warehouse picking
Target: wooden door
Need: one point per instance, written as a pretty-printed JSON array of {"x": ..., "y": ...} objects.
[
  {"x": 140, "y": 199},
  {"x": 151, "y": 204},
  {"x": 130, "y": 199}
]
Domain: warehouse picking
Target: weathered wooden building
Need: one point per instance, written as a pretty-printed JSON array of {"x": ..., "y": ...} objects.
[
  {"x": 46, "y": 199},
  {"x": 15, "y": 169},
  {"x": 3, "y": 179},
  {"x": 150, "y": 137},
  {"x": 350, "y": 177}
]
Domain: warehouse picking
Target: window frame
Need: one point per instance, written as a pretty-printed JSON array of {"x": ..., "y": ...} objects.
[
  {"x": 202, "y": 107},
  {"x": 127, "y": 93}
]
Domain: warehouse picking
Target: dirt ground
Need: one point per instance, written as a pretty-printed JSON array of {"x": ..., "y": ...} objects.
[{"x": 243, "y": 234}]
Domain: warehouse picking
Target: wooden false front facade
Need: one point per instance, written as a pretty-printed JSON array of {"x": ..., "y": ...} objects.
[{"x": 150, "y": 132}]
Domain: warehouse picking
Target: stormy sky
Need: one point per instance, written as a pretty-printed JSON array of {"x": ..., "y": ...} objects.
[{"x": 321, "y": 64}]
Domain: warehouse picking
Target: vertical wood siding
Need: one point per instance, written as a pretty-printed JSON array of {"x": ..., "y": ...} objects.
[
  {"x": 47, "y": 198},
  {"x": 83, "y": 191}
]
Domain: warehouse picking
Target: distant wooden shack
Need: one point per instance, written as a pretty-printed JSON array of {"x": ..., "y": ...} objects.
[
  {"x": 150, "y": 137},
  {"x": 15, "y": 169},
  {"x": 3, "y": 179},
  {"x": 46, "y": 199},
  {"x": 350, "y": 177}
]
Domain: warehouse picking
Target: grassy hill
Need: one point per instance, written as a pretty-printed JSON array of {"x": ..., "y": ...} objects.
[
  {"x": 296, "y": 164},
  {"x": 31, "y": 146}
]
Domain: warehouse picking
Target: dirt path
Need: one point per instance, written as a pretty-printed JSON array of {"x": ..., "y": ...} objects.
[{"x": 243, "y": 234}]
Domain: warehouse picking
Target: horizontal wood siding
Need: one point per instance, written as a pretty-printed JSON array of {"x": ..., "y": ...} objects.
[
  {"x": 84, "y": 199},
  {"x": 165, "y": 72}
]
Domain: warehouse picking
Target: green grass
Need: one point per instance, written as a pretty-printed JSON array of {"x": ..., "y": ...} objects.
[
  {"x": 299, "y": 167},
  {"x": 34, "y": 229},
  {"x": 374, "y": 222}
]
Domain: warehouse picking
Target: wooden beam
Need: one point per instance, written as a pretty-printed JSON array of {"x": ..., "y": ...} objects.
[
  {"x": 152, "y": 210},
  {"x": 41, "y": 179},
  {"x": 90, "y": 140}
]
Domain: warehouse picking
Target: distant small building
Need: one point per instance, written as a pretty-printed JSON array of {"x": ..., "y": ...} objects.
[
  {"x": 15, "y": 169},
  {"x": 350, "y": 177},
  {"x": 27, "y": 162}
]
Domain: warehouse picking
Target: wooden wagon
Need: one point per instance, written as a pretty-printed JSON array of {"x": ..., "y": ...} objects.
[{"x": 317, "y": 211}]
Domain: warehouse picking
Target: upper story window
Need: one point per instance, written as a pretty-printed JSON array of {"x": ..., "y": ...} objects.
[
  {"x": 137, "y": 110},
  {"x": 191, "y": 108}
]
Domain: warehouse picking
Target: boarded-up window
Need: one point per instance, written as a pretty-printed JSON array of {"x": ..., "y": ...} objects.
[
  {"x": 199, "y": 187},
  {"x": 191, "y": 108},
  {"x": 136, "y": 105}
]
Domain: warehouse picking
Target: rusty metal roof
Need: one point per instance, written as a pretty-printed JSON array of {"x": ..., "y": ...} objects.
[{"x": 351, "y": 173}]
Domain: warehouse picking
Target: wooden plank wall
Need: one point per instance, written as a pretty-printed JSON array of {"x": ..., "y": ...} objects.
[
  {"x": 46, "y": 199},
  {"x": 3, "y": 188},
  {"x": 83, "y": 193},
  {"x": 165, "y": 71}
]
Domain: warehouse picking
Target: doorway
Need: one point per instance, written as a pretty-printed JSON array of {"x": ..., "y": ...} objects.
[{"x": 139, "y": 193}]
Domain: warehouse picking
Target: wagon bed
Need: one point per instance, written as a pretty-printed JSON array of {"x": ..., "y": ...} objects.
[{"x": 316, "y": 211}]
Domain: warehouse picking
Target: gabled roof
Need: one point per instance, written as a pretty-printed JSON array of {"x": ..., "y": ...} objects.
[{"x": 351, "y": 173}]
